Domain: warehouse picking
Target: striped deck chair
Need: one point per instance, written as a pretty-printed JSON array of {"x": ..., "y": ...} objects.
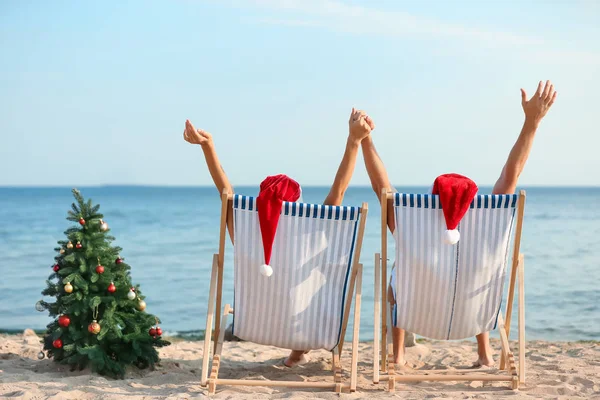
[
  {"x": 306, "y": 303},
  {"x": 446, "y": 291}
]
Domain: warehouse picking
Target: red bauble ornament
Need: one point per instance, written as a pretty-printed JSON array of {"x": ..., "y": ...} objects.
[
  {"x": 64, "y": 321},
  {"x": 152, "y": 332},
  {"x": 82, "y": 221},
  {"x": 56, "y": 268},
  {"x": 78, "y": 245},
  {"x": 112, "y": 288},
  {"x": 99, "y": 269},
  {"x": 158, "y": 331},
  {"x": 57, "y": 344},
  {"x": 119, "y": 260}
]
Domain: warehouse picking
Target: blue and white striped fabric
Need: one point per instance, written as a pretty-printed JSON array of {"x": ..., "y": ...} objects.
[
  {"x": 301, "y": 305},
  {"x": 450, "y": 291}
]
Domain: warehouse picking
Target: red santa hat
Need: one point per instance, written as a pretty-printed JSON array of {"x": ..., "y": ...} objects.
[
  {"x": 274, "y": 190},
  {"x": 456, "y": 194}
]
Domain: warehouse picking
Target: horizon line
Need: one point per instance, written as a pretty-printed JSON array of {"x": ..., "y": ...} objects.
[{"x": 534, "y": 185}]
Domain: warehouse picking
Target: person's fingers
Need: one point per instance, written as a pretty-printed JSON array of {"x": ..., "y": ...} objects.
[
  {"x": 370, "y": 122},
  {"x": 552, "y": 99},
  {"x": 191, "y": 126},
  {"x": 546, "y": 90},
  {"x": 550, "y": 93},
  {"x": 538, "y": 92},
  {"x": 360, "y": 114},
  {"x": 352, "y": 115},
  {"x": 364, "y": 123},
  {"x": 202, "y": 133},
  {"x": 523, "y": 96}
]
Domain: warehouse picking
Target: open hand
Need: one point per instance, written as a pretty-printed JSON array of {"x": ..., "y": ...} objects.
[
  {"x": 536, "y": 108},
  {"x": 196, "y": 136},
  {"x": 360, "y": 125}
]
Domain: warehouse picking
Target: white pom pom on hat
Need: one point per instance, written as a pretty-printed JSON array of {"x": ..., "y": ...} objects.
[
  {"x": 451, "y": 236},
  {"x": 266, "y": 270}
]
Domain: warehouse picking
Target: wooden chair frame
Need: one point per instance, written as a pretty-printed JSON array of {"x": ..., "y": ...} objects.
[
  {"x": 220, "y": 319},
  {"x": 383, "y": 365}
]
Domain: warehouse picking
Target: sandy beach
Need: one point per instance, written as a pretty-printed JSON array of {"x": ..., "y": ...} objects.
[{"x": 555, "y": 370}]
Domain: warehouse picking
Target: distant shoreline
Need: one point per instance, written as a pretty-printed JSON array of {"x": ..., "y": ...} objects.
[{"x": 198, "y": 335}]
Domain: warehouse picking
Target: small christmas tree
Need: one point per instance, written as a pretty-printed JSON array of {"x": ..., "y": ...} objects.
[{"x": 100, "y": 318}]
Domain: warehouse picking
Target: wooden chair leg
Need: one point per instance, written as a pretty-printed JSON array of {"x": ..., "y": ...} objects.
[
  {"x": 377, "y": 319},
  {"x": 390, "y": 352},
  {"x": 216, "y": 364},
  {"x": 516, "y": 258},
  {"x": 225, "y": 207},
  {"x": 504, "y": 343},
  {"x": 384, "y": 277},
  {"x": 512, "y": 369},
  {"x": 356, "y": 326},
  {"x": 351, "y": 285},
  {"x": 521, "y": 318},
  {"x": 209, "y": 323},
  {"x": 337, "y": 370},
  {"x": 391, "y": 372},
  {"x": 218, "y": 305}
]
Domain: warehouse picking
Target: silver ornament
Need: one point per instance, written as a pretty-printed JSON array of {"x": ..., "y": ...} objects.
[
  {"x": 41, "y": 355},
  {"x": 103, "y": 226},
  {"x": 39, "y": 306},
  {"x": 131, "y": 295}
]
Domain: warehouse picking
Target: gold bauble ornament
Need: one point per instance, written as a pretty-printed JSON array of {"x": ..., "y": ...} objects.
[
  {"x": 62, "y": 251},
  {"x": 68, "y": 287},
  {"x": 103, "y": 226},
  {"x": 69, "y": 245},
  {"x": 141, "y": 306},
  {"x": 94, "y": 327}
]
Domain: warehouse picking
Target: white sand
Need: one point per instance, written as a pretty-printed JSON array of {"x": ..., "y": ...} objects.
[{"x": 555, "y": 370}]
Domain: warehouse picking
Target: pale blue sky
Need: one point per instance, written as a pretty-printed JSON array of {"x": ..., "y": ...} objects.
[{"x": 98, "y": 92}]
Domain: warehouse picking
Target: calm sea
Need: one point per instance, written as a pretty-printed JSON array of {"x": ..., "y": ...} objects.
[{"x": 169, "y": 235}]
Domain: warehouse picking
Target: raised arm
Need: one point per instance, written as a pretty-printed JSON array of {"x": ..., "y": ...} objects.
[
  {"x": 204, "y": 139},
  {"x": 535, "y": 109},
  {"x": 359, "y": 128},
  {"x": 377, "y": 174}
]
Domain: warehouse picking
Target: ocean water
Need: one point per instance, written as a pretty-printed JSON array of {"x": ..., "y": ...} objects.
[{"x": 169, "y": 235}]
